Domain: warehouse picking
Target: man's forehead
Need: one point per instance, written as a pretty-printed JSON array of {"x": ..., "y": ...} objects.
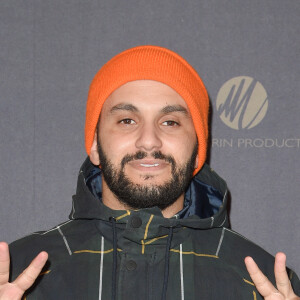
[
  {"x": 136, "y": 85},
  {"x": 140, "y": 93}
]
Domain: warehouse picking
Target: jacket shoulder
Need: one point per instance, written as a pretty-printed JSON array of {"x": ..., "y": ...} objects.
[
  {"x": 59, "y": 242},
  {"x": 235, "y": 247}
]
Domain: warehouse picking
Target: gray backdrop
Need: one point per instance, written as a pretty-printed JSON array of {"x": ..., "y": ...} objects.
[{"x": 50, "y": 51}]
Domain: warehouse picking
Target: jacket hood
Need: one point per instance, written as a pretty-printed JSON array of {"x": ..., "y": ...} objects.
[{"x": 205, "y": 204}]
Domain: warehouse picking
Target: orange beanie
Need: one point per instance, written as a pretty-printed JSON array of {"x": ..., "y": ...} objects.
[{"x": 150, "y": 63}]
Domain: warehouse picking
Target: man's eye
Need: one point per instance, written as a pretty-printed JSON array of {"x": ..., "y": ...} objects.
[
  {"x": 127, "y": 122},
  {"x": 170, "y": 123}
]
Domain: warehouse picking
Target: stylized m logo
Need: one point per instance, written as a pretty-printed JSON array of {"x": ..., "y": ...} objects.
[{"x": 242, "y": 102}]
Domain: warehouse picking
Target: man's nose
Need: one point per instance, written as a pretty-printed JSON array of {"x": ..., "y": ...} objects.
[{"x": 148, "y": 138}]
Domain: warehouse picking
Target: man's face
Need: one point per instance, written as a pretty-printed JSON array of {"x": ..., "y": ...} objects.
[{"x": 147, "y": 144}]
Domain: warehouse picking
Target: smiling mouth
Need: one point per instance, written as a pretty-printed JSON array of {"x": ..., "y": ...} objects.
[{"x": 149, "y": 166}]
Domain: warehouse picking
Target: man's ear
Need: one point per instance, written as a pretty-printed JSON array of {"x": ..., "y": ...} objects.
[
  {"x": 196, "y": 162},
  {"x": 94, "y": 155}
]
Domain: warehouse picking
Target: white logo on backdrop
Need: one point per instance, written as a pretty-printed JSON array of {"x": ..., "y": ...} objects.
[{"x": 242, "y": 102}]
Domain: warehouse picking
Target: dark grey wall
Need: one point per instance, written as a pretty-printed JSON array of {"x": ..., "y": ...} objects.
[{"x": 50, "y": 50}]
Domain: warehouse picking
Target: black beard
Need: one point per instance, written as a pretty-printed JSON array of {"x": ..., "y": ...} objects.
[{"x": 138, "y": 196}]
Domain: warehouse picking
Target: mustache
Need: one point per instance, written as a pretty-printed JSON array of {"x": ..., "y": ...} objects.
[{"x": 141, "y": 154}]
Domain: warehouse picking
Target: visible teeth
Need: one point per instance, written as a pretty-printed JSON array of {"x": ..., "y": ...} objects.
[{"x": 148, "y": 166}]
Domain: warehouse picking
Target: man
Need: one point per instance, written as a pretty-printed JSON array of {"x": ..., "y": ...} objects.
[{"x": 149, "y": 217}]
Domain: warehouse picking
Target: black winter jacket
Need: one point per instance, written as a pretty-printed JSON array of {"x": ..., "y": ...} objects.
[{"x": 123, "y": 255}]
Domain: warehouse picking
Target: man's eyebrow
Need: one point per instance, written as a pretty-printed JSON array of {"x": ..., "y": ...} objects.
[
  {"x": 124, "y": 106},
  {"x": 167, "y": 109},
  {"x": 174, "y": 108}
]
